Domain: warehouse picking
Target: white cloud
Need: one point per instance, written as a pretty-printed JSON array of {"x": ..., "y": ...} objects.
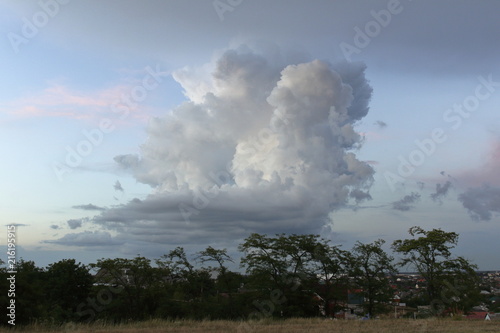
[{"x": 269, "y": 148}]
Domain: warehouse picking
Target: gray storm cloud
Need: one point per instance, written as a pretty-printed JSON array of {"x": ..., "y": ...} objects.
[
  {"x": 360, "y": 196},
  {"x": 441, "y": 191},
  {"x": 74, "y": 223},
  {"x": 86, "y": 239},
  {"x": 406, "y": 203},
  {"x": 481, "y": 202},
  {"x": 266, "y": 147}
]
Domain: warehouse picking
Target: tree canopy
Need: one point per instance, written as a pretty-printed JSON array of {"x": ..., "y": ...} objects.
[
  {"x": 285, "y": 275},
  {"x": 446, "y": 276}
]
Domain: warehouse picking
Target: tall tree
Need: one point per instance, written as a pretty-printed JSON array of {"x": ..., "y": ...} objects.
[
  {"x": 370, "y": 267},
  {"x": 220, "y": 257},
  {"x": 294, "y": 265},
  {"x": 31, "y": 292},
  {"x": 446, "y": 276},
  {"x": 68, "y": 284},
  {"x": 263, "y": 259},
  {"x": 194, "y": 283},
  {"x": 135, "y": 277},
  {"x": 176, "y": 263},
  {"x": 281, "y": 260},
  {"x": 330, "y": 265}
]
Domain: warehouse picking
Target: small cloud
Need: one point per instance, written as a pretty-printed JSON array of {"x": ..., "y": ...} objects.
[
  {"x": 75, "y": 223},
  {"x": 55, "y": 227},
  {"x": 88, "y": 207},
  {"x": 441, "y": 191},
  {"x": 118, "y": 186},
  {"x": 380, "y": 124},
  {"x": 129, "y": 161},
  {"x": 406, "y": 202},
  {"x": 360, "y": 196},
  {"x": 420, "y": 185}
]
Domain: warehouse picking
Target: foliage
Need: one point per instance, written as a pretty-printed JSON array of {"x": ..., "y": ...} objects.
[
  {"x": 67, "y": 285},
  {"x": 451, "y": 282},
  {"x": 370, "y": 268},
  {"x": 286, "y": 276},
  {"x": 305, "y": 269}
]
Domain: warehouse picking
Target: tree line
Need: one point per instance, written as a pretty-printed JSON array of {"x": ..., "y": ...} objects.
[{"x": 284, "y": 276}]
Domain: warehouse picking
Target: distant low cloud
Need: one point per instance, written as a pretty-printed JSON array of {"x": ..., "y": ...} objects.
[
  {"x": 89, "y": 207},
  {"x": 118, "y": 186},
  {"x": 58, "y": 100},
  {"x": 441, "y": 191},
  {"x": 360, "y": 196},
  {"x": 86, "y": 239},
  {"x": 481, "y": 202},
  {"x": 381, "y": 124},
  {"x": 75, "y": 223},
  {"x": 55, "y": 227},
  {"x": 406, "y": 203}
]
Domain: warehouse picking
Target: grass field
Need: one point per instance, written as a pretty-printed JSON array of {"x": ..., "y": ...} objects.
[{"x": 272, "y": 326}]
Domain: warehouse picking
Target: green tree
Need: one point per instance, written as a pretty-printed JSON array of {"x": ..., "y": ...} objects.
[
  {"x": 220, "y": 257},
  {"x": 450, "y": 281},
  {"x": 31, "y": 292},
  {"x": 295, "y": 266},
  {"x": 193, "y": 283},
  {"x": 330, "y": 265},
  {"x": 68, "y": 284},
  {"x": 175, "y": 263},
  {"x": 137, "y": 281},
  {"x": 370, "y": 268}
]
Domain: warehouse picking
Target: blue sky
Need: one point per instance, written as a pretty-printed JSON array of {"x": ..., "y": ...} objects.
[{"x": 206, "y": 83}]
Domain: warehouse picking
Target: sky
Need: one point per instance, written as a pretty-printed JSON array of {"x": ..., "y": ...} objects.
[{"x": 132, "y": 127}]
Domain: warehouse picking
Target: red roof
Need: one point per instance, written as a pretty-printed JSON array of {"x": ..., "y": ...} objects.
[
  {"x": 477, "y": 315},
  {"x": 355, "y": 291}
]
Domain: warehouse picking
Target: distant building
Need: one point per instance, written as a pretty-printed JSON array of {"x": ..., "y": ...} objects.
[{"x": 479, "y": 315}]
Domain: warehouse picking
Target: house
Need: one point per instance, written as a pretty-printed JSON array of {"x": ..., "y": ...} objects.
[{"x": 478, "y": 315}]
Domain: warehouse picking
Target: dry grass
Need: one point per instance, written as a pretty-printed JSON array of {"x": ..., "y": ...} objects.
[{"x": 272, "y": 326}]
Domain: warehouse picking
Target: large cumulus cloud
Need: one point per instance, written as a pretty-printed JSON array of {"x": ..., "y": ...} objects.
[{"x": 267, "y": 147}]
